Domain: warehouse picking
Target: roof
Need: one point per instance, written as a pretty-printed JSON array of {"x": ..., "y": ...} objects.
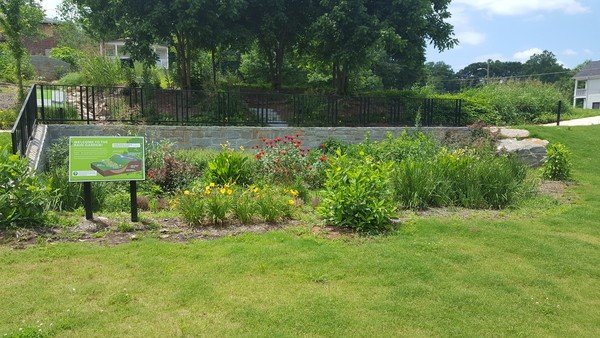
[{"x": 592, "y": 69}]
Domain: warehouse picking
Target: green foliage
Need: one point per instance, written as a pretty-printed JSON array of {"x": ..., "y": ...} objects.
[
  {"x": 283, "y": 160},
  {"x": 118, "y": 202},
  {"x": 513, "y": 102},
  {"x": 69, "y": 55},
  {"x": 558, "y": 163},
  {"x": 230, "y": 167},
  {"x": 72, "y": 79},
  {"x": 23, "y": 196},
  {"x": 459, "y": 178},
  {"x": 7, "y": 118},
  {"x": 358, "y": 194},
  {"x": 216, "y": 204},
  {"x": 101, "y": 71},
  {"x": 18, "y": 19}
]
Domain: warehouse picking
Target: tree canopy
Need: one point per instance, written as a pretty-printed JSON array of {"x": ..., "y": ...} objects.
[{"x": 341, "y": 37}]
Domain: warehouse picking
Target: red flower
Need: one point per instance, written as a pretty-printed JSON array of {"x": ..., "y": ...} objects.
[{"x": 323, "y": 158}]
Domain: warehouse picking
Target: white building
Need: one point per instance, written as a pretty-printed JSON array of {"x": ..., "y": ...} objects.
[
  {"x": 587, "y": 86},
  {"x": 116, "y": 50}
]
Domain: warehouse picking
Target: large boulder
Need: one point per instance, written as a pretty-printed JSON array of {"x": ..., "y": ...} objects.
[
  {"x": 509, "y": 133},
  {"x": 531, "y": 151}
]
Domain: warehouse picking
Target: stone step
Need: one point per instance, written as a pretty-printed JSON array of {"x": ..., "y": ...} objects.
[
  {"x": 509, "y": 133},
  {"x": 36, "y": 148}
]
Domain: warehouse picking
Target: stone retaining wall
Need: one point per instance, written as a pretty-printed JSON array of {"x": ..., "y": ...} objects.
[{"x": 213, "y": 137}]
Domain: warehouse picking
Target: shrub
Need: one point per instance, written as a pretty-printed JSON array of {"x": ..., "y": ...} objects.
[
  {"x": 69, "y": 55},
  {"x": 273, "y": 207},
  {"x": 285, "y": 161},
  {"x": 72, "y": 79},
  {"x": 119, "y": 202},
  {"x": 558, "y": 163},
  {"x": 358, "y": 194},
  {"x": 173, "y": 175},
  {"x": 416, "y": 145},
  {"x": 230, "y": 167},
  {"x": 23, "y": 196},
  {"x": 58, "y": 154}
]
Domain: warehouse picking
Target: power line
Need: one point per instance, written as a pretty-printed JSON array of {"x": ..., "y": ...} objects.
[{"x": 473, "y": 78}]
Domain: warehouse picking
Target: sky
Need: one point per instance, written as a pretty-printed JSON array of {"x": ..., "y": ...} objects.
[
  {"x": 514, "y": 30},
  {"x": 511, "y": 30}
]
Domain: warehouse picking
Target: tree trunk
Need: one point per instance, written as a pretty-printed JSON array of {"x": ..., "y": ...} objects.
[
  {"x": 278, "y": 78},
  {"x": 214, "y": 65},
  {"x": 19, "y": 69}
]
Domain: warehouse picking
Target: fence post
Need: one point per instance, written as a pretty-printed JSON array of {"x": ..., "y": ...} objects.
[
  {"x": 142, "y": 101},
  {"x": 558, "y": 111},
  {"x": 42, "y": 98}
]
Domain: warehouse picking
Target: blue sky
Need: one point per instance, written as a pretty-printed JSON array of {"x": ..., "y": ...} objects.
[{"x": 513, "y": 30}]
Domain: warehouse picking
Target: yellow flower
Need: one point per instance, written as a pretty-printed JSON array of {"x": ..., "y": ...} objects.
[
  {"x": 293, "y": 192},
  {"x": 222, "y": 191},
  {"x": 187, "y": 192},
  {"x": 292, "y": 202},
  {"x": 212, "y": 185},
  {"x": 229, "y": 191}
]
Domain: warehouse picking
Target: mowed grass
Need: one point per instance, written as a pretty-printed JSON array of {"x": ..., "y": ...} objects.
[{"x": 533, "y": 271}]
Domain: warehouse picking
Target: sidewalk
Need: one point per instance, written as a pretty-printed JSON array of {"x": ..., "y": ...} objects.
[{"x": 588, "y": 121}]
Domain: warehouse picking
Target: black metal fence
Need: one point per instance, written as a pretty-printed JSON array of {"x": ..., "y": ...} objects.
[
  {"x": 24, "y": 126},
  {"x": 87, "y": 104}
]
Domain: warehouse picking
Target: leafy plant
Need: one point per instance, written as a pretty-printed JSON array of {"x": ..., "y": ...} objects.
[
  {"x": 230, "y": 167},
  {"x": 285, "y": 161},
  {"x": 173, "y": 175},
  {"x": 358, "y": 194},
  {"x": 558, "y": 163},
  {"x": 7, "y": 118},
  {"x": 24, "y": 198}
]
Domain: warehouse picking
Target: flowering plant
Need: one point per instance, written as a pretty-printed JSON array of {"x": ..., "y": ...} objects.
[{"x": 285, "y": 160}]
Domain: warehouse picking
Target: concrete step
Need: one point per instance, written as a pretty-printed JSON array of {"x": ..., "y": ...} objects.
[{"x": 36, "y": 148}]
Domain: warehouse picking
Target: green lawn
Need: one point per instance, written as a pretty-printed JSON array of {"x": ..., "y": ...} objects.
[{"x": 531, "y": 271}]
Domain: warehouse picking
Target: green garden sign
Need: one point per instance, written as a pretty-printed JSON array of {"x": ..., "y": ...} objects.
[{"x": 105, "y": 159}]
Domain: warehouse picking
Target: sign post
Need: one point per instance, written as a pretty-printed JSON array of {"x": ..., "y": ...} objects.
[{"x": 107, "y": 159}]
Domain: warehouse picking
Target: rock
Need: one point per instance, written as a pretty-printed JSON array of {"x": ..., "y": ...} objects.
[
  {"x": 165, "y": 236},
  {"x": 531, "y": 151},
  {"x": 504, "y": 133},
  {"x": 134, "y": 237}
]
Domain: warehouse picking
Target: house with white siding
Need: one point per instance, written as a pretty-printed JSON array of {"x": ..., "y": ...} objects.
[
  {"x": 116, "y": 50},
  {"x": 587, "y": 86}
]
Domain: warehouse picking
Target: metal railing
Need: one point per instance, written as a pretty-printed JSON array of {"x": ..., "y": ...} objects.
[
  {"x": 25, "y": 123},
  {"x": 92, "y": 104}
]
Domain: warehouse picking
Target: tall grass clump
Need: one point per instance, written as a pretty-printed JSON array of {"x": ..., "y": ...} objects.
[{"x": 459, "y": 178}]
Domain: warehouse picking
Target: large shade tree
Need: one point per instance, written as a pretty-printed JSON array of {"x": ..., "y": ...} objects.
[{"x": 347, "y": 32}]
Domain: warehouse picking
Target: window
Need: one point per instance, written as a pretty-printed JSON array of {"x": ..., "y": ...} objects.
[
  {"x": 581, "y": 84},
  {"x": 596, "y": 105}
]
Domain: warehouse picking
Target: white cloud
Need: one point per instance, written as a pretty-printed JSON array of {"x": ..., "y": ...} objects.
[
  {"x": 526, "y": 54},
  {"x": 471, "y": 37},
  {"x": 464, "y": 30},
  {"x": 523, "y": 7},
  {"x": 569, "y": 52}
]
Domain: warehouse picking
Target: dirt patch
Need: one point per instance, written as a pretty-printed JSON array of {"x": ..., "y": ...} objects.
[
  {"x": 118, "y": 231},
  {"x": 555, "y": 189}
]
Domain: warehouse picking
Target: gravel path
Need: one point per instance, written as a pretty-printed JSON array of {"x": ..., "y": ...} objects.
[{"x": 588, "y": 121}]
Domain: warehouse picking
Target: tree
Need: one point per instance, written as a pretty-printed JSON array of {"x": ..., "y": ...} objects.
[
  {"x": 278, "y": 25},
  {"x": 546, "y": 64},
  {"x": 19, "y": 18},
  {"x": 349, "y": 32},
  {"x": 441, "y": 76}
]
